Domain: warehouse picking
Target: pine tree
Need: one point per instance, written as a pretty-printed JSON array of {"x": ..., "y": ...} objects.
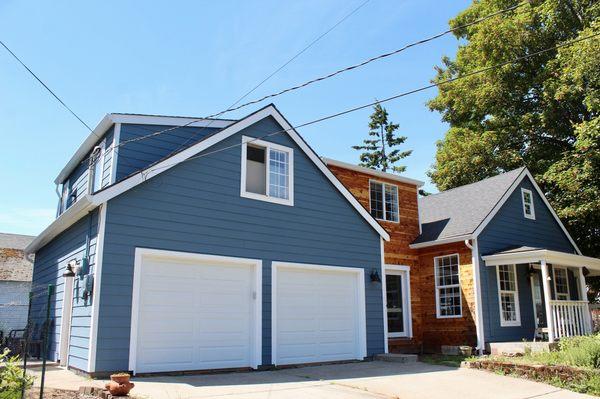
[{"x": 379, "y": 151}]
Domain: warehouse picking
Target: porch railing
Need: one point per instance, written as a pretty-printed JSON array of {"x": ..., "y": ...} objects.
[{"x": 570, "y": 318}]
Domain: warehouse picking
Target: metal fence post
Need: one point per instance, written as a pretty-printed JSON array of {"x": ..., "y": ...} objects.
[{"x": 51, "y": 289}]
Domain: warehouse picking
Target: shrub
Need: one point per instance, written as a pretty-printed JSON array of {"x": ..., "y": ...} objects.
[
  {"x": 581, "y": 351},
  {"x": 11, "y": 377}
]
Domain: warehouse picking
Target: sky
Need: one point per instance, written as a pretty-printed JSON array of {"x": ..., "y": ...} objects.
[{"x": 195, "y": 58}]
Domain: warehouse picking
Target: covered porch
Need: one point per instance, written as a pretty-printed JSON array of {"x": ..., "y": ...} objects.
[{"x": 558, "y": 289}]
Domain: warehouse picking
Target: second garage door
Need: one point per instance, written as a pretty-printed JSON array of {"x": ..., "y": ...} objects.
[{"x": 318, "y": 314}]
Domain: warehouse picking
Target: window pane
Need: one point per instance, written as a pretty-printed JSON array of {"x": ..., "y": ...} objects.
[
  {"x": 448, "y": 285},
  {"x": 391, "y": 203},
  {"x": 561, "y": 283},
  {"x": 278, "y": 174},
  {"x": 395, "y": 309},
  {"x": 376, "y": 192},
  {"x": 449, "y": 301},
  {"x": 256, "y": 171},
  {"x": 509, "y": 307}
]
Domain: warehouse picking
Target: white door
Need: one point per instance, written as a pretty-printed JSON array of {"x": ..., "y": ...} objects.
[
  {"x": 193, "y": 313},
  {"x": 318, "y": 314}
]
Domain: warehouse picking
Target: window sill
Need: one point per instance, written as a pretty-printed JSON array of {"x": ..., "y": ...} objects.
[
  {"x": 448, "y": 317},
  {"x": 388, "y": 221},
  {"x": 514, "y": 324},
  {"x": 266, "y": 198}
]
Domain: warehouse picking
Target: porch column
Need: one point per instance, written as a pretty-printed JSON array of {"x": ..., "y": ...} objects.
[
  {"x": 547, "y": 299},
  {"x": 583, "y": 291}
]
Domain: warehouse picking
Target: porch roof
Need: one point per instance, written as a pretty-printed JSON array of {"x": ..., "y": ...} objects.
[{"x": 536, "y": 255}]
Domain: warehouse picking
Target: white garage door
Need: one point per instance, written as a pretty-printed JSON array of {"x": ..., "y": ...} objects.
[
  {"x": 318, "y": 314},
  {"x": 194, "y": 312}
]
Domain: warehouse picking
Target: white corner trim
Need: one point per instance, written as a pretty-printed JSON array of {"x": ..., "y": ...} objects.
[
  {"x": 268, "y": 146},
  {"x": 516, "y": 183},
  {"x": 384, "y": 297},
  {"x": 448, "y": 240},
  {"x": 93, "y": 343},
  {"x": 142, "y": 253},
  {"x": 115, "y": 154},
  {"x": 362, "y": 315},
  {"x": 372, "y": 172},
  {"x": 517, "y": 322},
  {"x": 478, "y": 297}
]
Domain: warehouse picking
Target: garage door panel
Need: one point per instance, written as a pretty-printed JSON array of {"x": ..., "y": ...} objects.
[
  {"x": 317, "y": 315},
  {"x": 194, "y": 315}
]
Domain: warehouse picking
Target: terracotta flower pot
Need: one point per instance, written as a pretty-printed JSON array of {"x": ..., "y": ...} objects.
[{"x": 119, "y": 384}]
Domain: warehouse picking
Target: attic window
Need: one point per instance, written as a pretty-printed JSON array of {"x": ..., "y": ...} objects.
[
  {"x": 528, "y": 209},
  {"x": 383, "y": 201},
  {"x": 267, "y": 172}
]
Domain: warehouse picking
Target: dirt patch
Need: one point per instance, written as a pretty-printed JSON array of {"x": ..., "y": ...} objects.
[{"x": 50, "y": 393}]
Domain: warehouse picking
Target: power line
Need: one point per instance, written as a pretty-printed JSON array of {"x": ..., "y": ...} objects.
[
  {"x": 330, "y": 75},
  {"x": 47, "y": 88},
  {"x": 394, "y": 97}
]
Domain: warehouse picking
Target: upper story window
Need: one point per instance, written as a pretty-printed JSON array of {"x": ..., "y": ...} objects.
[
  {"x": 561, "y": 283},
  {"x": 267, "y": 171},
  {"x": 528, "y": 209},
  {"x": 447, "y": 286},
  {"x": 64, "y": 198},
  {"x": 96, "y": 167},
  {"x": 384, "y": 201},
  {"x": 508, "y": 296}
]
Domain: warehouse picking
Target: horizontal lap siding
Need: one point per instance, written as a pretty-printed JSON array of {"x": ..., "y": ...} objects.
[
  {"x": 50, "y": 264},
  {"x": 509, "y": 228},
  {"x": 137, "y": 155},
  {"x": 196, "y": 207}
]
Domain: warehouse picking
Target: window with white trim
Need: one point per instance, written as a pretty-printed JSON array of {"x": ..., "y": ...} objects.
[
  {"x": 447, "y": 286},
  {"x": 267, "y": 171},
  {"x": 561, "y": 283},
  {"x": 508, "y": 295},
  {"x": 384, "y": 201},
  {"x": 96, "y": 166},
  {"x": 527, "y": 198}
]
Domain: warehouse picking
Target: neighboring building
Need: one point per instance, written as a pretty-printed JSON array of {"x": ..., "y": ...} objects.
[
  {"x": 15, "y": 281},
  {"x": 487, "y": 256},
  {"x": 192, "y": 258}
]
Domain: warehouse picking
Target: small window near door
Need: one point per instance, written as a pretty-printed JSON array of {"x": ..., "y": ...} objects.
[
  {"x": 528, "y": 209},
  {"x": 561, "y": 283},
  {"x": 384, "y": 201},
  {"x": 267, "y": 171},
  {"x": 508, "y": 296},
  {"x": 447, "y": 286},
  {"x": 395, "y": 305}
]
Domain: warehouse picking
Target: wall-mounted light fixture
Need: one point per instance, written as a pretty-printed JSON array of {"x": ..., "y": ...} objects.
[
  {"x": 71, "y": 269},
  {"x": 375, "y": 276}
]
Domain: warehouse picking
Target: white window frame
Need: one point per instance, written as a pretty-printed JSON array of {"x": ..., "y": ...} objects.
[
  {"x": 509, "y": 323},
  {"x": 92, "y": 169},
  {"x": 556, "y": 294},
  {"x": 404, "y": 271},
  {"x": 268, "y": 146},
  {"x": 437, "y": 288},
  {"x": 383, "y": 185},
  {"x": 523, "y": 192}
]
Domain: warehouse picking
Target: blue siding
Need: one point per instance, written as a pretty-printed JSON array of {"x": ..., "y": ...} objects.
[
  {"x": 509, "y": 228},
  {"x": 137, "y": 155},
  {"x": 50, "y": 264},
  {"x": 196, "y": 207}
]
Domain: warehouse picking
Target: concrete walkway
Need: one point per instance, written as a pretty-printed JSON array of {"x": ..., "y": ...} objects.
[{"x": 353, "y": 381}]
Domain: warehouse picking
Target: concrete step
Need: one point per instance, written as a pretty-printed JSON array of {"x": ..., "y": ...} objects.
[{"x": 396, "y": 357}]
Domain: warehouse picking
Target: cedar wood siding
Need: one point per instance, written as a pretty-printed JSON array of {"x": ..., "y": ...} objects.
[
  {"x": 196, "y": 207},
  {"x": 50, "y": 263},
  {"x": 396, "y": 250},
  {"x": 509, "y": 228}
]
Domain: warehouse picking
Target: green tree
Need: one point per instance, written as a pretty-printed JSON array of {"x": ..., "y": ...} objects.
[
  {"x": 380, "y": 150},
  {"x": 541, "y": 112}
]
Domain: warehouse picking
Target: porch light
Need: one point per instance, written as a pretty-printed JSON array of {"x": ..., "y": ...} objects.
[
  {"x": 375, "y": 276},
  {"x": 531, "y": 270},
  {"x": 69, "y": 270}
]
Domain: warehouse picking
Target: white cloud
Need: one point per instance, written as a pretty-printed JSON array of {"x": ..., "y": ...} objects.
[{"x": 25, "y": 220}]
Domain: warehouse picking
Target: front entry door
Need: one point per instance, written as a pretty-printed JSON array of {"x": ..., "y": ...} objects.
[
  {"x": 397, "y": 303},
  {"x": 539, "y": 310}
]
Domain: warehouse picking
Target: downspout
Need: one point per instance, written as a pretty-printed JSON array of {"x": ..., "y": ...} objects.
[{"x": 478, "y": 302}]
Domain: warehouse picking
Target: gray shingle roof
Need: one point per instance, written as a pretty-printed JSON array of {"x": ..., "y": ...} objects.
[
  {"x": 461, "y": 210},
  {"x": 14, "y": 241}
]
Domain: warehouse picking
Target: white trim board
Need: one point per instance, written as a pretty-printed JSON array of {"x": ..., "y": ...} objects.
[
  {"x": 141, "y": 253},
  {"x": 372, "y": 172},
  {"x": 362, "y": 315}
]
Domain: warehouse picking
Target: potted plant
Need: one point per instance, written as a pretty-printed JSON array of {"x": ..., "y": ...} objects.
[{"x": 119, "y": 384}]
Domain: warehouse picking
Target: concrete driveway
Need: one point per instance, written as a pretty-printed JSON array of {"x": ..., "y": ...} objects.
[{"x": 354, "y": 380}]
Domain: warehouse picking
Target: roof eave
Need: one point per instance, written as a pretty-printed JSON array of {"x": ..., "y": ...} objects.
[
  {"x": 441, "y": 241},
  {"x": 384, "y": 175}
]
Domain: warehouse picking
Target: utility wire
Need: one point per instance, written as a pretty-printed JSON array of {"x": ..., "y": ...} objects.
[
  {"x": 394, "y": 97},
  {"x": 47, "y": 88},
  {"x": 330, "y": 75}
]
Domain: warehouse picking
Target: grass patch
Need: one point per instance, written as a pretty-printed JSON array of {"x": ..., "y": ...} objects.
[{"x": 443, "y": 360}]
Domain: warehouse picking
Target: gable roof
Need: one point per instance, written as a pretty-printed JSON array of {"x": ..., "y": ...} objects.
[
  {"x": 91, "y": 201},
  {"x": 463, "y": 212}
]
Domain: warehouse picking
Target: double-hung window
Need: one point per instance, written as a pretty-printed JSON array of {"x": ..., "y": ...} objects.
[
  {"x": 447, "y": 286},
  {"x": 384, "y": 201},
  {"x": 527, "y": 198},
  {"x": 267, "y": 171},
  {"x": 508, "y": 295},
  {"x": 561, "y": 283}
]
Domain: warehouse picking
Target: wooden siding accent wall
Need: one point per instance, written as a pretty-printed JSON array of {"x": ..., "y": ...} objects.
[
  {"x": 397, "y": 251},
  {"x": 447, "y": 331}
]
